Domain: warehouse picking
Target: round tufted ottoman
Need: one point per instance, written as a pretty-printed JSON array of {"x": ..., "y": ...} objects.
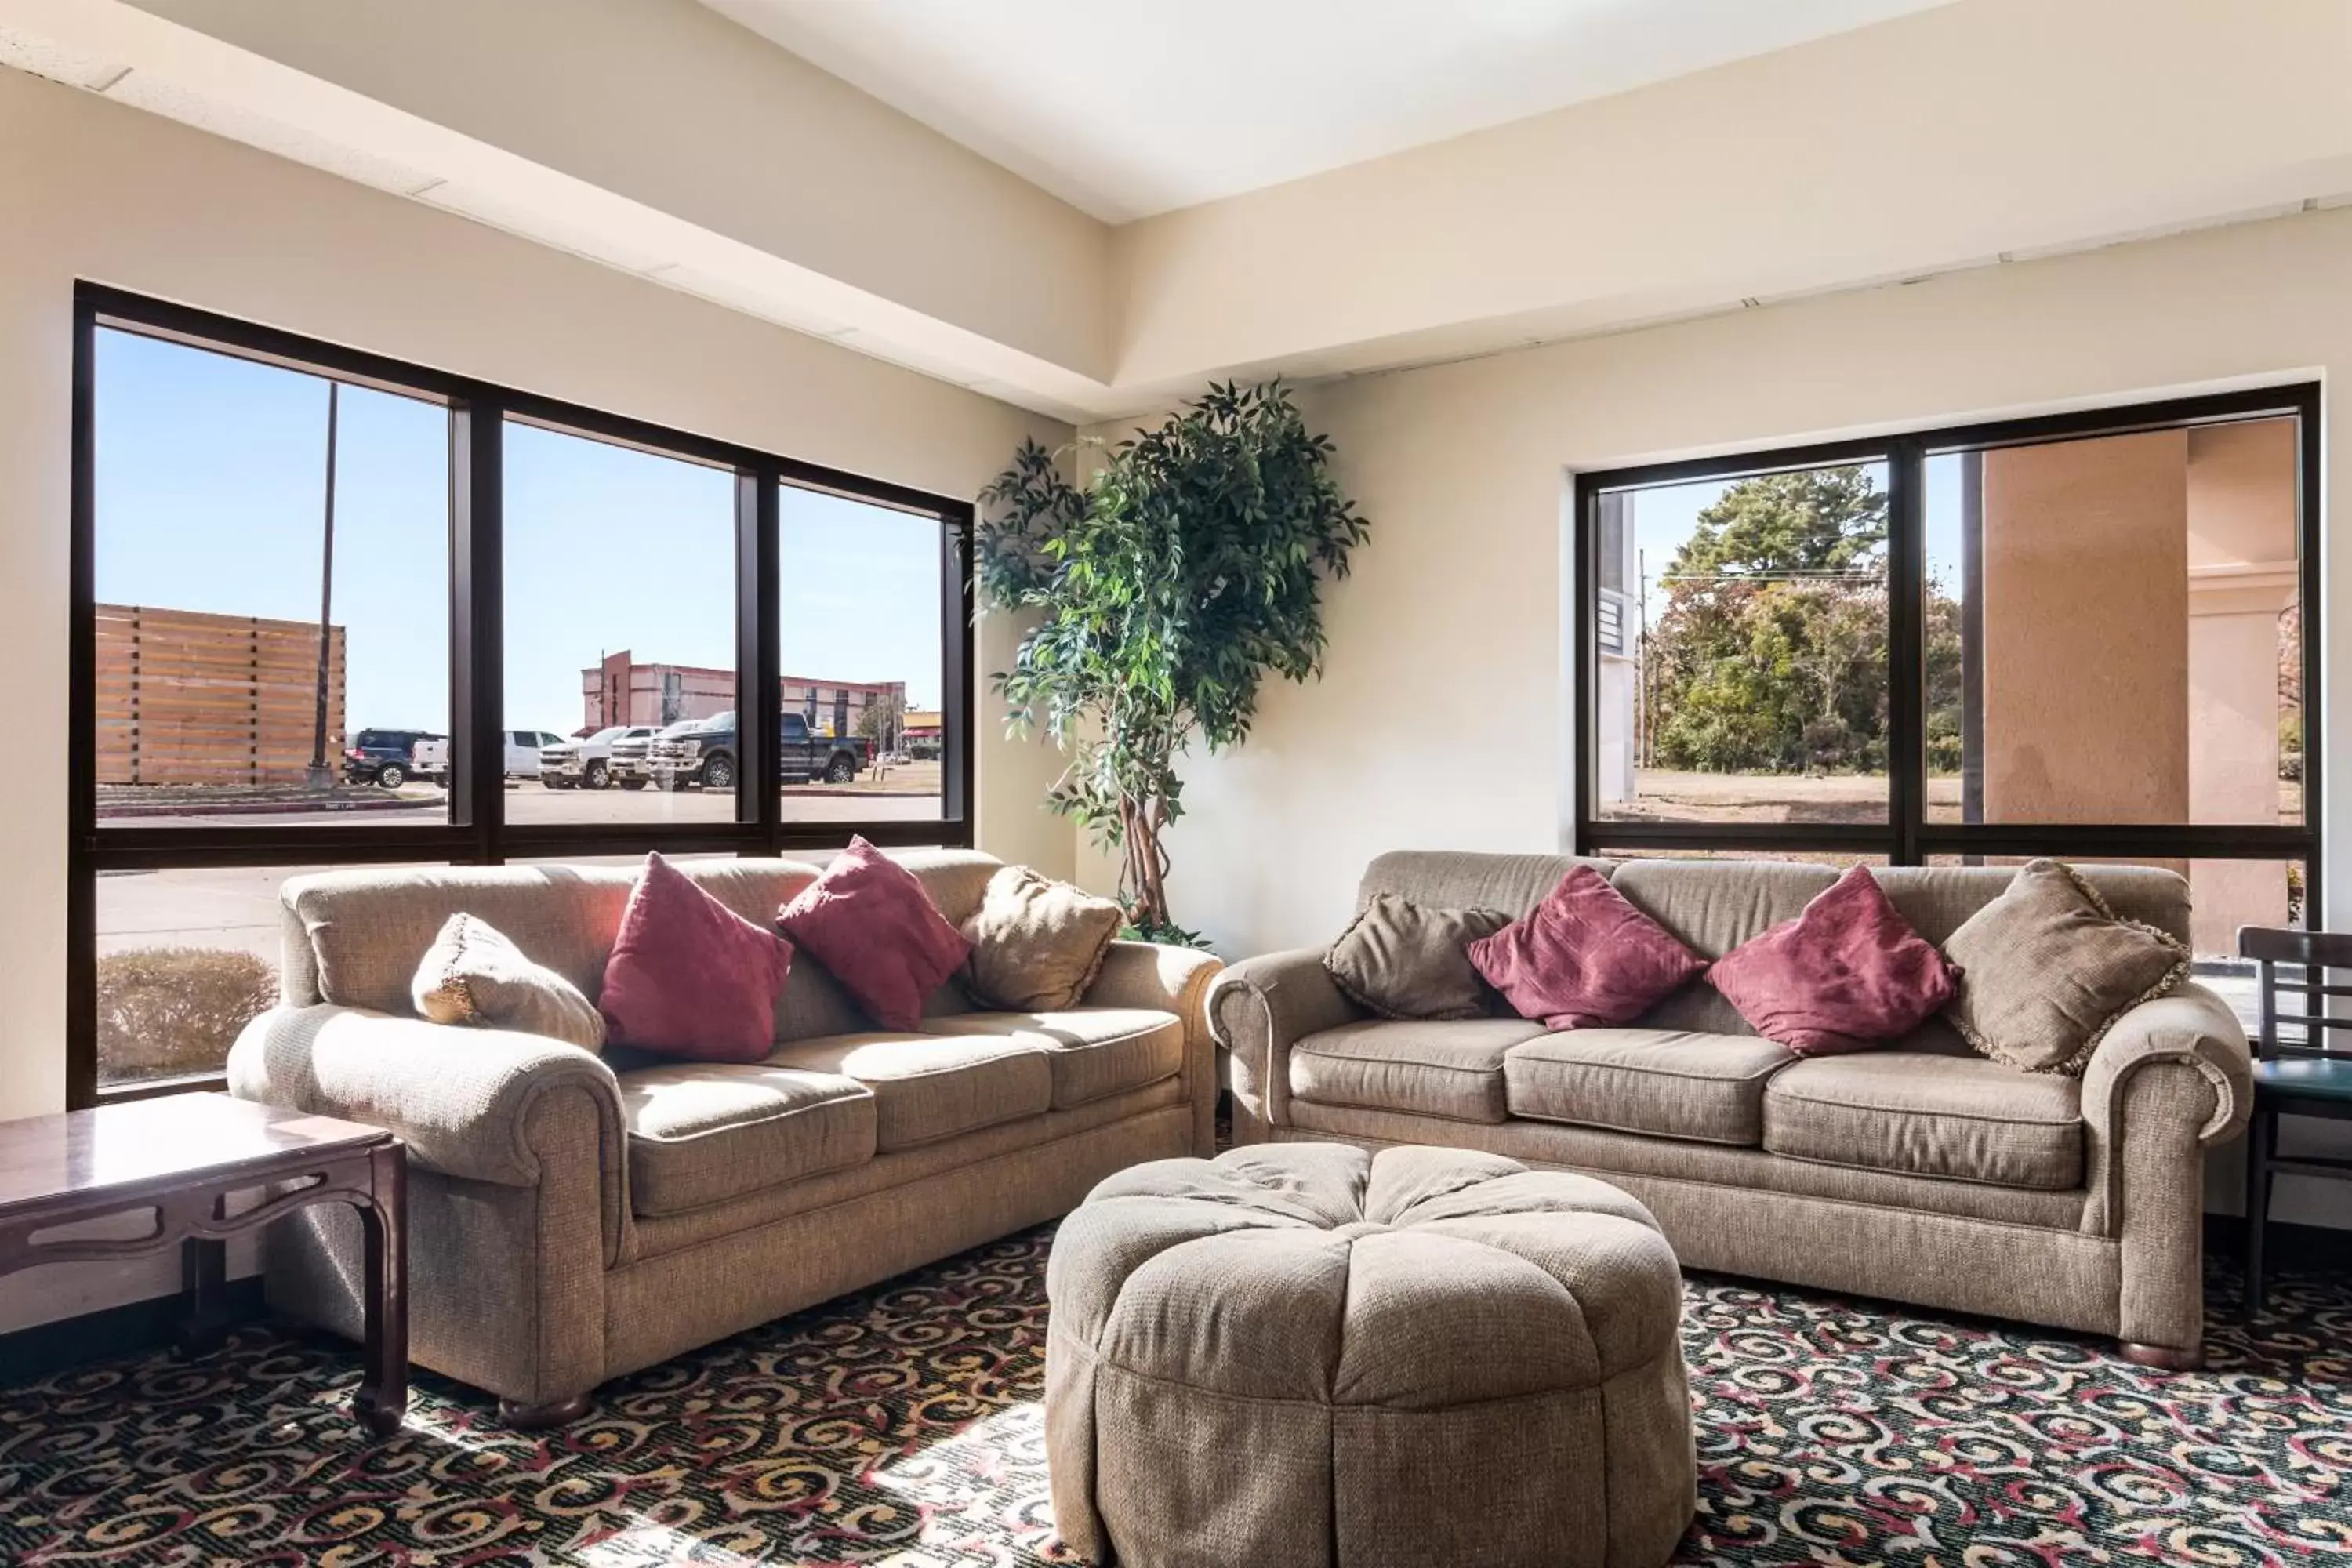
[{"x": 1306, "y": 1354}]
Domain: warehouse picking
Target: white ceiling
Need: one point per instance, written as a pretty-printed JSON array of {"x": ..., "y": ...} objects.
[{"x": 1128, "y": 108}]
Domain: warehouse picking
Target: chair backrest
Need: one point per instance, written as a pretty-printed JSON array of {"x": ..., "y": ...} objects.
[{"x": 2292, "y": 969}]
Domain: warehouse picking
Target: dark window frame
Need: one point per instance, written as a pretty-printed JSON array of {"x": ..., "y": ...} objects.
[
  {"x": 1907, "y": 839},
  {"x": 477, "y": 832}
]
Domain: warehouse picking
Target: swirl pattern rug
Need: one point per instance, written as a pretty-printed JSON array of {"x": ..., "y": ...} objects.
[{"x": 901, "y": 1427}]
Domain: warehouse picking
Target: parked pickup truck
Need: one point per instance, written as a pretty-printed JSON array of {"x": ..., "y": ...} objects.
[
  {"x": 705, "y": 754},
  {"x": 429, "y": 759},
  {"x": 586, "y": 765},
  {"x": 523, "y": 747},
  {"x": 631, "y": 766}
]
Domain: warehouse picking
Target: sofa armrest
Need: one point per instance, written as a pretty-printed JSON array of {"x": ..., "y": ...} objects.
[
  {"x": 1170, "y": 980},
  {"x": 1152, "y": 975},
  {"x": 1257, "y": 1010},
  {"x": 2171, "y": 1079},
  {"x": 2192, "y": 1029},
  {"x": 461, "y": 1099}
]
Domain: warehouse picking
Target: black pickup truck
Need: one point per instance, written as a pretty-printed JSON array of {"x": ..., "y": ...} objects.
[{"x": 706, "y": 755}]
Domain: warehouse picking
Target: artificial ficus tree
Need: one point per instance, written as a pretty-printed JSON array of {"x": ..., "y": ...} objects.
[{"x": 1166, "y": 585}]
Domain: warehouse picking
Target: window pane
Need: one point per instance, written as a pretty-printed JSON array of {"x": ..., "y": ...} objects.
[
  {"x": 185, "y": 959},
  {"x": 620, "y": 634},
  {"x": 212, "y": 536},
  {"x": 860, "y": 725},
  {"x": 2114, "y": 629},
  {"x": 1742, "y": 663}
]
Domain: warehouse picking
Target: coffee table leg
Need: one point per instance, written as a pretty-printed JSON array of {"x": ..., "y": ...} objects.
[
  {"x": 204, "y": 1285},
  {"x": 383, "y": 1398}
]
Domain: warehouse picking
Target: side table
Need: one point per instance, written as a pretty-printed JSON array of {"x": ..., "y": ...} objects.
[{"x": 180, "y": 1158}]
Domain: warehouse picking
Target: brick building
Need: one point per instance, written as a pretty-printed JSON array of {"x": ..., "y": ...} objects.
[{"x": 621, "y": 691}]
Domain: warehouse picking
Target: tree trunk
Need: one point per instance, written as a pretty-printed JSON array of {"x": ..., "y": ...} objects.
[{"x": 1143, "y": 875}]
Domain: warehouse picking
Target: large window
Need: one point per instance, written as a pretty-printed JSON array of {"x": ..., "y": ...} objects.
[
  {"x": 335, "y": 610},
  {"x": 2087, "y": 636}
]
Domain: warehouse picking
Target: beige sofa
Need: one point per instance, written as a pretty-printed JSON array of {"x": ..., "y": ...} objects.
[
  {"x": 1919, "y": 1172},
  {"x": 572, "y": 1218}
]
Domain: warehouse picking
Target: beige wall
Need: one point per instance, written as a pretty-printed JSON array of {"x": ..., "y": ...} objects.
[
  {"x": 671, "y": 104},
  {"x": 1936, "y": 140},
  {"x": 94, "y": 190}
]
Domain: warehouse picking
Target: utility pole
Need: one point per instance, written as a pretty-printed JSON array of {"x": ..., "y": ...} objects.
[
  {"x": 1641, "y": 715},
  {"x": 320, "y": 777}
]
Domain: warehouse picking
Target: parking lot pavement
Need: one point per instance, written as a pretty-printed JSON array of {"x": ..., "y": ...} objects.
[
  {"x": 531, "y": 803},
  {"x": 236, "y": 907}
]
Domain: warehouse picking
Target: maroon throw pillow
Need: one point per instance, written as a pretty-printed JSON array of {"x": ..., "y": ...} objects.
[
  {"x": 1584, "y": 958},
  {"x": 1845, "y": 974},
  {"x": 688, "y": 977},
  {"x": 868, "y": 921}
]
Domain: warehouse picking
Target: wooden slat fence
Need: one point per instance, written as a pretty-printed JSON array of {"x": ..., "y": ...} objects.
[{"x": 188, "y": 698}]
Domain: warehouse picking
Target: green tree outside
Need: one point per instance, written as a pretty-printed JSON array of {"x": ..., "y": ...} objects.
[{"x": 1770, "y": 655}]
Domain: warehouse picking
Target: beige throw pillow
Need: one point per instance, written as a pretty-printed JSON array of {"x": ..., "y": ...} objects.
[
  {"x": 2047, "y": 968},
  {"x": 1036, "y": 944},
  {"x": 473, "y": 975},
  {"x": 1404, "y": 960}
]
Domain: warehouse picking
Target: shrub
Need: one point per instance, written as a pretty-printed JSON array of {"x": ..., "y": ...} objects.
[{"x": 164, "y": 1011}]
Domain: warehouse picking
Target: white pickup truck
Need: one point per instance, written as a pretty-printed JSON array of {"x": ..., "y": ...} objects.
[
  {"x": 586, "y": 765},
  {"x": 524, "y": 748}
]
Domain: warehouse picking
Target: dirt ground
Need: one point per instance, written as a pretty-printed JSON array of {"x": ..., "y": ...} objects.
[{"x": 1660, "y": 795}]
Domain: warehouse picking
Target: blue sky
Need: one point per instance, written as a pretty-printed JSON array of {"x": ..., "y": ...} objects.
[{"x": 211, "y": 473}]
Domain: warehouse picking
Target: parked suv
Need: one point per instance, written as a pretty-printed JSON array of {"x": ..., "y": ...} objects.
[
  {"x": 384, "y": 756},
  {"x": 586, "y": 765}
]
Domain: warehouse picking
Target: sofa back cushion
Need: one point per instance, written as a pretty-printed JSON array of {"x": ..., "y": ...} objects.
[
  {"x": 356, "y": 937},
  {"x": 1715, "y": 905},
  {"x": 1459, "y": 879}
]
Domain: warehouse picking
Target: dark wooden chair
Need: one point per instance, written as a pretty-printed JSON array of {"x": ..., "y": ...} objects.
[{"x": 2296, "y": 1070}]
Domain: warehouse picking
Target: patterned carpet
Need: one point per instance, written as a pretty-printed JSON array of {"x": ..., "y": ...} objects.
[{"x": 901, "y": 1427}]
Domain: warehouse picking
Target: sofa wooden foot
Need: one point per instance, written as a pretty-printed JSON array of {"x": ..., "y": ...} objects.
[
  {"x": 2163, "y": 1358},
  {"x": 524, "y": 1418}
]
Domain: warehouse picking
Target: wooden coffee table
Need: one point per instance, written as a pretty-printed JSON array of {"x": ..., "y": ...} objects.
[{"x": 180, "y": 1158}]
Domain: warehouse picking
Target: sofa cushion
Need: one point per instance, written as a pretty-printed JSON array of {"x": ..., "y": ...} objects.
[
  {"x": 703, "y": 1132},
  {"x": 1452, "y": 1069},
  {"x": 688, "y": 977},
  {"x": 473, "y": 976},
  {"x": 1670, "y": 1083},
  {"x": 1961, "y": 1118},
  {"x": 2048, "y": 967},
  {"x": 1848, "y": 973},
  {"x": 1407, "y": 960},
  {"x": 1584, "y": 958},
  {"x": 927, "y": 1086},
  {"x": 1092, "y": 1052},
  {"x": 871, "y": 923},
  {"x": 1036, "y": 944},
  {"x": 1711, "y": 907}
]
